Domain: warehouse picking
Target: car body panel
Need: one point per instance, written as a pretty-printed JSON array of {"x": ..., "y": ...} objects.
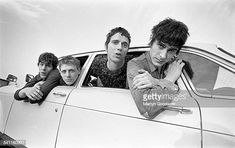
[
  {"x": 6, "y": 101},
  {"x": 36, "y": 124},
  {"x": 26, "y": 120},
  {"x": 91, "y": 128},
  {"x": 59, "y": 94},
  {"x": 119, "y": 101},
  {"x": 214, "y": 140}
]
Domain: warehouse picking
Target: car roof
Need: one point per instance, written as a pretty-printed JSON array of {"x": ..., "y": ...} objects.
[
  {"x": 212, "y": 49},
  {"x": 201, "y": 47}
]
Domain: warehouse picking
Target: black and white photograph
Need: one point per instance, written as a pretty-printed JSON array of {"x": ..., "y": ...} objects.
[{"x": 122, "y": 74}]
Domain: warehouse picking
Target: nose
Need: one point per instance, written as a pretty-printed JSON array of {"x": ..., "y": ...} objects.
[
  {"x": 67, "y": 74},
  {"x": 119, "y": 46},
  {"x": 163, "y": 54},
  {"x": 43, "y": 67}
]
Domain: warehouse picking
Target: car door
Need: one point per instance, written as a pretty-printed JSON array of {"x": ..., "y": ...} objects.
[
  {"x": 212, "y": 84},
  {"x": 108, "y": 117},
  {"x": 35, "y": 124}
]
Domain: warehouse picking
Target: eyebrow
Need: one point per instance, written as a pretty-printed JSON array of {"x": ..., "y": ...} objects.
[{"x": 170, "y": 47}]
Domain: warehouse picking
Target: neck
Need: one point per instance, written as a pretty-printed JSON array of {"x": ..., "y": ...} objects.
[
  {"x": 159, "y": 69},
  {"x": 113, "y": 66}
]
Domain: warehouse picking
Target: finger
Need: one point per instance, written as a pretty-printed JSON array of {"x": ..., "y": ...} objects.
[
  {"x": 138, "y": 84},
  {"x": 142, "y": 79},
  {"x": 143, "y": 82},
  {"x": 144, "y": 86},
  {"x": 139, "y": 76},
  {"x": 30, "y": 96},
  {"x": 37, "y": 96},
  {"x": 135, "y": 84},
  {"x": 179, "y": 61},
  {"x": 39, "y": 92},
  {"x": 182, "y": 64}
]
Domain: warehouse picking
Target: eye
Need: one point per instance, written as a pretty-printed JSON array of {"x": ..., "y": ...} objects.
[
  {"x": 161, "y": 46},
  {"x": 115, "y": 42},
  {"x": 72, "y": 71},
  {"x": 49, "y": 65},
  {"x": 125, "y": 45}
]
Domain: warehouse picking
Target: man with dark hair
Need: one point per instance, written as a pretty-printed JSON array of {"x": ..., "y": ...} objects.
[
  {"x": 38, "y": 88},
  {"x": 111, "y": 70},
  {"x": 70, "y": 69},
  {"x": 155, "y": 72}
]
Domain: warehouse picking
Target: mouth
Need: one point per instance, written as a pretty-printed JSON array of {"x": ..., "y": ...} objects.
[
  {"x": 68, "y": 80},
  {"x": 43, "y": 74},
  {"x": 159, "y": 61},
  {"x": 118, "y": 55}
]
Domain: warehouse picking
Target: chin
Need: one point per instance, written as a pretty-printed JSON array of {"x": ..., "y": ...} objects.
[
  {"x": 157, "y": 64},
  {"x": 69, "y": 83}
]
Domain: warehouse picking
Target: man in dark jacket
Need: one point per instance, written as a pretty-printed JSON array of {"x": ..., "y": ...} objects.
[{"x": 39, "y": 87}]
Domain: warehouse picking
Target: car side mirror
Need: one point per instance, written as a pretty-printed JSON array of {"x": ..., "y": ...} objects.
[
  {"x": 28, "y": 77},
  {"x": 11, "y": 78}
]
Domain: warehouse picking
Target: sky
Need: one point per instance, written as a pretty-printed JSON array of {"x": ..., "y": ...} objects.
[{"x": 30, "y": 27}]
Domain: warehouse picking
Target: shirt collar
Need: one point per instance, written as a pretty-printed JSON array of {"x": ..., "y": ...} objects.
[{"x": 151, "y": 66}]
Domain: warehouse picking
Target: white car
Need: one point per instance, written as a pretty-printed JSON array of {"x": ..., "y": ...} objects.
[{"x": 84, "y": 116}]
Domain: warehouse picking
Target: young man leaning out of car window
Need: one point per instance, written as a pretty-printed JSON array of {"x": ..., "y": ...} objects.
[
  {"x": 111, "y": 70},
  {"x": 155, "y": 72},
  {"x": 38, "y": 88},
  {"x": 70, "y": 69}
]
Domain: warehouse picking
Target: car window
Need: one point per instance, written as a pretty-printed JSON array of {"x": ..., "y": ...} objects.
[
  {"x": 82, "y": 60},
  {"x": 94, "y": 81},
  {"x": 207, "y": 76}
]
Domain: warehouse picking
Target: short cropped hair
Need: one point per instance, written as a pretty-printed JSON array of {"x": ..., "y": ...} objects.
[
  {"x": 120, "y": 30},
  {"x": 48, "y": 58},
  {"x": 170, "y": 31},
  {"x": 69, "y": 60}
]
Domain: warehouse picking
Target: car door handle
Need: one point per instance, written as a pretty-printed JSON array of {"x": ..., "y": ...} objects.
[
  {"x": 59, "y": 94},
  {"x": 178, "y": 109}
]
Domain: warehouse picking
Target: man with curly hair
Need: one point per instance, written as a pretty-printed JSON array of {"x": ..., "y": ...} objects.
[
  {"x": 153, "y": 74},
  {"x": 39, "y": 87}
]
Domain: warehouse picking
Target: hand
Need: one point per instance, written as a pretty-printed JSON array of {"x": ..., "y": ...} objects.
[
  {"x": 174, "y": 70},
  {"x": 33, "y": 93},
  {"x": 143, "y": 80},
  {"x": 39, "y": 84}
]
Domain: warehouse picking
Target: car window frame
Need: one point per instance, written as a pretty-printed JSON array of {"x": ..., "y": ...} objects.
[
  {"x": 215, "y": 59},
  {"x": 131, "y": 50}
]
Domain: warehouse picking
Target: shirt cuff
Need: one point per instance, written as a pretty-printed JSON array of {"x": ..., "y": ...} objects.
[{"x": 166, "y": 84}]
